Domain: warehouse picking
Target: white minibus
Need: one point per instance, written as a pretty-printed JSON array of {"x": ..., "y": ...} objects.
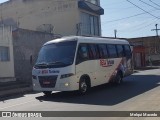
[{"x": 79, "y": 63}]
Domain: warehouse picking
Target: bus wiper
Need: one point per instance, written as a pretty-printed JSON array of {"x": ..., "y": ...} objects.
[
  {"x": 41, "y": 64},
  {"x": 55, "y": 62}
]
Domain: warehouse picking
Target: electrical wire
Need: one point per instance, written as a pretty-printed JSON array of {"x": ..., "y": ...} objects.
[
  {"x": 115, "y": 20},
  {"x": 154, "y": 3},
  {"x": 142, "y": 9},
  {"x": 140, "y": 27},
  {"x": 149, "y": 4}
]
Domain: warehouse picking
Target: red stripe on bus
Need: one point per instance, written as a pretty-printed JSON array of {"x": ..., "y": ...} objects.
[{"x": 115, "y": 70}]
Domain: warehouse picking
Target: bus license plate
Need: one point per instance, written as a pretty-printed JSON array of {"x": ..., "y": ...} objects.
[{"x": 46, "y": 82}]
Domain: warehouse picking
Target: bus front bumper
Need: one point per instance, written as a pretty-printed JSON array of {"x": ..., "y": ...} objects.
[{"x": 65, "y": 85}]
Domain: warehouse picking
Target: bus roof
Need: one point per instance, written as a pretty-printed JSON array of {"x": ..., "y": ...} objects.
[{"x": 82, "y": 39}]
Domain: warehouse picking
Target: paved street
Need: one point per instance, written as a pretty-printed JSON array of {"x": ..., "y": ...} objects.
[{"x": 139, "y": 92}]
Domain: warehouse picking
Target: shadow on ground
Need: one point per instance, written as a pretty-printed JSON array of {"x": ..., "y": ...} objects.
[
  {"x": 106, "y": 94},
  {"x": 15, "y": 96}
]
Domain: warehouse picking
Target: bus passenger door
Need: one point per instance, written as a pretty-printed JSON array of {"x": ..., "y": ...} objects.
[{"x": 84, "y": 66}]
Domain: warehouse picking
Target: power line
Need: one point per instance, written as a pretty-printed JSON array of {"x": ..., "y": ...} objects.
[
  {"x": 148, "y": 4},
  {"x": 115, "y": 20},
  {"x": 139, "y": 26},
  {"x": 142, "y": 9},
  {"x": 154, "y": 3},
  {"x": 125, "y": 18}
]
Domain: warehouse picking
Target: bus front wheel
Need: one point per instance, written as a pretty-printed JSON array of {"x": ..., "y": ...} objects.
[{"x": 83, "y": 86}]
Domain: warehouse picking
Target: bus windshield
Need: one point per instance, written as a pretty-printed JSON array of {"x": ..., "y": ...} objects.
[{"x": 56, "y": 55}]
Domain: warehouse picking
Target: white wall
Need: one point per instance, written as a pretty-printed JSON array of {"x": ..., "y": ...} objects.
[{"x": 6, "y": 67}]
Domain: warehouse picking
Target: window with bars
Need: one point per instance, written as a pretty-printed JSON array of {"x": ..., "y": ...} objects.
[
  {"x": 89, "y": 24},
  {"x": 4, "y": 53}
]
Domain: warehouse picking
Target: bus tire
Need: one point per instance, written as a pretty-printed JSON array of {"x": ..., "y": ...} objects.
[
  {"x": 47, "y": 93},
  {"x": 83, "y": 86},
  {"x": 118, "y": 78}
]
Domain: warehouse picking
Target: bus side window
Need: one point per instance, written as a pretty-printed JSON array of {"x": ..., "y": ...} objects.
[
  {"x": 120, "y": 51},
  {"x": 93, "y": 50},
  {"x": 82, "y": 54},
  {"x": 103, "y": 51},
  {"x": 127, "y": 49},
  {"x": 112, "y": 51}
]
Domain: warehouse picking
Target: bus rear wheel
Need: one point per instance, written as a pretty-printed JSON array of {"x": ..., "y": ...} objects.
[
  {"x": 118, "y": 79},
  {"x": 47, "y": 93}
]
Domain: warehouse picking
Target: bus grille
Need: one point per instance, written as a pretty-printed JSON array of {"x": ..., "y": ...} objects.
[{"x": 48, "y": 81}]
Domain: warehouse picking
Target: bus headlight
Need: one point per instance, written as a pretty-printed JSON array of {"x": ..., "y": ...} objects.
[
  {"x": 66, "y": 75},
  {"x": 66, "y": 84}
]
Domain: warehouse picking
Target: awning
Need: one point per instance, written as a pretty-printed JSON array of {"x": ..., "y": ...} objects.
[{"x": 90, "y": 7}]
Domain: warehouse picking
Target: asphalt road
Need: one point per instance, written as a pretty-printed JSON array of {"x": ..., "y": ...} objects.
[{"x": 139, "y": 92}]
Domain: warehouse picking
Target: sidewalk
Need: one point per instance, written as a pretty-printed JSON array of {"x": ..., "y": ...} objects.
[
  {"x": 148, "y": 68},
  {"x": 14, "y": 87}
]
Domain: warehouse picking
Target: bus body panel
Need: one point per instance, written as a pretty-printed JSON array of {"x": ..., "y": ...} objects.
[
  {"x": 99, "y": 74},
  {"x": 88, "y": 68}
]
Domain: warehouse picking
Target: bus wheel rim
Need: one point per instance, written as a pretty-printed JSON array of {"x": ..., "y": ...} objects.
[{"x": 83, "y": 87}]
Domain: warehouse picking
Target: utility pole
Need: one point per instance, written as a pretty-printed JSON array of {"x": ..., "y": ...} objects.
[
  {"x": 115, "y": 33},
  {"x": 156, "y": 29}
]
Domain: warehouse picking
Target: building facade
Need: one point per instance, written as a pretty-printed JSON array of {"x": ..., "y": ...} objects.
[
  {"x": 16, "y": 49},
  {"x": 62, "y": 17},
  {"x": 147, "y": 50},
  {"x": 6, "y": 54}
]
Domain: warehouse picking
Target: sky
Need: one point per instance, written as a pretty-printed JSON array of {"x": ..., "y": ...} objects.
[
  {"x": 129, "y": 21},
  {"x": 118, "y": 15}
]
